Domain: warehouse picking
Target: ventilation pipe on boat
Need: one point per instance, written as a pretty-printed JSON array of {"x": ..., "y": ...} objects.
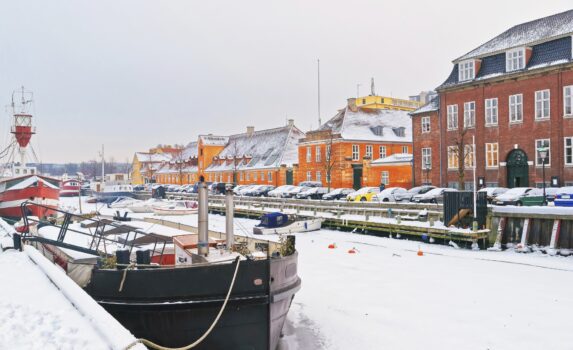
[
  {"x": 203, "y": 239},
  {"x": 229, "y": 214}
]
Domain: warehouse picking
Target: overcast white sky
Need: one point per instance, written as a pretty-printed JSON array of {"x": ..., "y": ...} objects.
[{"x": 132, "y": 74}]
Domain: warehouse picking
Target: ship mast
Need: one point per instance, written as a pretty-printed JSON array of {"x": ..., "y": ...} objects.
[{"x": 22, "y": 124}]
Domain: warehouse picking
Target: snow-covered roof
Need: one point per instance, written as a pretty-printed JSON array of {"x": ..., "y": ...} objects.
[
  {"x": 371, "y": 125},
  {"x": 145, "y": 157},
  {"x": 393, "y": 159},
  {"x": 175, "y": 169},
  {"x": 191, "y": 150},
  {"x": 431, "y": 106},
  {"x": 526, "y": 34},
  {"x": 262, "y": 149},
  {"x": 212, "y": 140}
]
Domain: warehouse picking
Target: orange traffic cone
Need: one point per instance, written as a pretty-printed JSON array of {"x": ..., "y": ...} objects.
[
  {"x": 332, "y": 246},
  {"x": 420, "y": 252}
]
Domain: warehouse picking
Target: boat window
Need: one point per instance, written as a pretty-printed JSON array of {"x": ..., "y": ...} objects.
[
  {"x": 279, "y": 220},
  {"x": 24, "y": 171}
]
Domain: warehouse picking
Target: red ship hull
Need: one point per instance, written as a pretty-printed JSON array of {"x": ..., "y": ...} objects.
[
  {"x": 33, "y": 188},
  {"x": 70, "y": 188}
]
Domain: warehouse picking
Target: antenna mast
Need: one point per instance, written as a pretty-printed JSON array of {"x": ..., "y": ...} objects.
[{"x": 319, "y": 121}]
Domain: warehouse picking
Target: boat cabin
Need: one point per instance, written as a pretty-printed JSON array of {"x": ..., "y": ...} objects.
[{"x": 272, "y": 220}]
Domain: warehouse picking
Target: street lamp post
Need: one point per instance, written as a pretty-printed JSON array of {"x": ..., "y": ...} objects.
[{"x": 543, "y": 156}]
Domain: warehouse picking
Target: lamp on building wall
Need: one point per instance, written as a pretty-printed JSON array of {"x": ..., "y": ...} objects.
[{"x": 543, "y": 155}]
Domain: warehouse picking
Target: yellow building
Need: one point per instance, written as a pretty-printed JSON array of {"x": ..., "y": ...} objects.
[
  {"x": 145, "y": 165},
  {"x": 374, "y": 101}
]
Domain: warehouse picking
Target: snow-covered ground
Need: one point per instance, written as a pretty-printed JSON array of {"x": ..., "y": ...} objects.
[{"x": 387, "y": 297}]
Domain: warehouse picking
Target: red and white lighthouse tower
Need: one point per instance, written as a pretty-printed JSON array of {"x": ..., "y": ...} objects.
[{"x": 22, "y": 127}]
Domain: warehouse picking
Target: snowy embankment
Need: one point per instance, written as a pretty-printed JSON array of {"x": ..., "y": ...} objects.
[
  {"x": 385, "y": 296},
  {"x": 41, "y": 308}
]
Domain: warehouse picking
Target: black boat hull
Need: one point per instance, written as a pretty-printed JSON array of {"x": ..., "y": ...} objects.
[{"x": 175, "y": 306}]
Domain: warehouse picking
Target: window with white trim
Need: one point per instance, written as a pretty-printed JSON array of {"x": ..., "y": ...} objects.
[
  {"x": 270, "y": 176},
  {"x": 425, "y": 124},
  {"x": 328, "y": 153},
  {"x": 539, "y": 145},
  {"x": 453, "y": 160},
  {"x": 308, "y": 154},
  {"x": 568, "y": 100},
  {"x": 404, "y": 149},
  {"x": 491, "y": 155},
  {"x": 466, "y": 70},
  {"x": 426, "y": 158},
  {"x": 308, "y": 176},
  {"x": 369, "y": 151},
  {"x": 452, "y": 117},
  {"x": 469, "y": 114},
  {"x": 516, "y": 108},
  {"x": 255, "y": 176},
  {"x": 242, "y": 176},
  {"x": 469, "y": 156},
  {"x": 318, "y": 176},
  {"x": 542, "y": 104},
  {"x": 355, "y": 152},
  {"x": 318, "y": 156},
  {"x": 385, "y": 177},
  {"x": 382, "y": 152},
  {"x": 568, "y": 144},
  {"x": 515, "y": 59},
  {"x": 491, "y": 111},
  {"x": 262, "y": 176}
]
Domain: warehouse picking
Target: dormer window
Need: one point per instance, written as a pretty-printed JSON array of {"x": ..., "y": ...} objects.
[
  {"x": 378, "y": 130},
  {"x": 400, "y": 132},
  {"x": 515, "y": 59},
  {"x": 466, "y": 70}
]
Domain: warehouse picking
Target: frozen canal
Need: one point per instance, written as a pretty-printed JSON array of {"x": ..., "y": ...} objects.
[{"x": 387, "y": 297}]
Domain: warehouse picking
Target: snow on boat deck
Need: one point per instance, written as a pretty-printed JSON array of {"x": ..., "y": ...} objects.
[
  {"x": 387, "y": 297},
  {"x": 38, "y": 307}
]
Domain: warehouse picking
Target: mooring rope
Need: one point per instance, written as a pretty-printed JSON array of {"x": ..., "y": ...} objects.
[{"x": 152, "y": 345}]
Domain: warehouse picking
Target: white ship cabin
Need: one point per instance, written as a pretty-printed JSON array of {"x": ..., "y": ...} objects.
[{"x": 23, "y": 170}]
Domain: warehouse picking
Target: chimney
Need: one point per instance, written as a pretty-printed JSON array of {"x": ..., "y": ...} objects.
[
  {"x": 290, "y": 122},
  {"x": 250, "y": 130},
  {"x": 352, "y": 104}
]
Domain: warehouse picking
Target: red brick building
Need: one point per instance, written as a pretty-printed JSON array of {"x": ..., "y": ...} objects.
[{"x": 514, "y": 94}]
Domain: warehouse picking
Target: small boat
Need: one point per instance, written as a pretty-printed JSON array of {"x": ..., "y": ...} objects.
[
  {"x": 146, "y": 206},
  {"x": 112, "y": 192},
  {"x": 279, "y": 223},
  {"x": 70, "y": 188},
  {"x": 123, "y": 202},
  {"x": 176, "y": 208}
]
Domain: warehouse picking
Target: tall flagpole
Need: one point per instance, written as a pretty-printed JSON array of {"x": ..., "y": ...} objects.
[
  {"x": 475, "y": 185},
  {"x": 319, "y": 121}
]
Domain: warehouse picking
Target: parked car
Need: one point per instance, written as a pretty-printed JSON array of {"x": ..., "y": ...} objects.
[
  {"x": 534, "y": 197},
  {"x": 220, "y": 187},
  {"x": 259, "y": 191},
  {"x": 310, "y": 184},
  {"x": 493, "y": 192},
  {"x": 292, "y": 192},
  {"x": 435, "y": 195},
  {"x": 564, "y": 197},
  {"x": 245, "y": 190},
  {"x": 407, "y": 196},
  {"x": 195, "y": 187},
  {"x": 551, "y": 193},
  {"x": 312, "y": 193},
  {"x": 512, "y": 196},
  {"x": 136, "y": 188},
  {"x": 280, "y": 191},
  {"x": 364, "y": 194},
  {"x": 339, "y": 193},
  {"x": 388, "y": 194},
  {"x": 239, "y": 188}
]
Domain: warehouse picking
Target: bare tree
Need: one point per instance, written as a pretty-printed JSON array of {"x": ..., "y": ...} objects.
[
  {"x": 180, "y": 163},
  {"x": 330, "y": 159},
  {"x": 464, "y": 153}
]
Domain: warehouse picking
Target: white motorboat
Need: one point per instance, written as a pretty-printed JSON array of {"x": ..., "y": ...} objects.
[
  {"x": 123, "y": 202},
  {"x": 182, "y": 207},
  {"x": 146, "y": 206},
  {"x": 279, "y": 223}
]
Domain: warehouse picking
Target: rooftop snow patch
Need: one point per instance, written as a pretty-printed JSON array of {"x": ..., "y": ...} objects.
[
  {"x": 145, "y": 157},
  {"x": 212, "y": 140},
  {"x": 394, "y": 158},
  {"x": 431, "y": 106},
  {"x": 375, "y": 125}
]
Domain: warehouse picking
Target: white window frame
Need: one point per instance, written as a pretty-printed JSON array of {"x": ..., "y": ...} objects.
[
  {"x": 426, "y": 127},
  {"x": 492, "y": 152},
  {"x": 318, "y": 154},
  {"x": 568, "y": 101},
  {"x": 537, "y": 146},
  {"x": 515, "y": 59},
  {"x": 355, "y": 152},
  {"x": 369, "y": 151},
  {"x": 466, "y": 70},
  {"x": 309, "y": 176},
  {"x": 382, "y": 152},
  {"x": 426, "y": 158},
  {"x": 469, "y": 161},
  {"x": 452, "y": 116},
  {"x": 469, "y": 115},
  {"x": 318, "y": 176},
  {"x": 405, "y": 149},
  {"x": 385, "y": 177},
  {"x": 491, "y": 111},
  {"x": 270, "y": 176},
  {"x": 262, "y": 176},
  {"x": 328, "y": 153},
  {"x": 255, "y": 176},
  {"x": 308, "y": 154},
  {"x": 242, "y": 176},
  {"x": 542, "y": 104},
  {"x": 516, "y": 108},
  {"x": 453, "y": 158},
  {"x": 570, "y": 148}
]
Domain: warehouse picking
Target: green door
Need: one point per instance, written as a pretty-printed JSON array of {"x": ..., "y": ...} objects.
[
  {"x": 356, "y": 176},
  {"x": 517, "y": 169},
  {"x": 289, "y": 177}
]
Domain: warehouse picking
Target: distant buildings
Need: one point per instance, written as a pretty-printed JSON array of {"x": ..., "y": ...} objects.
[{"x": 514, "y": 94}]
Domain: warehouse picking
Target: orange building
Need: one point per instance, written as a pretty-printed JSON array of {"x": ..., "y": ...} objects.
[{"x": 336, "y": 153}]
